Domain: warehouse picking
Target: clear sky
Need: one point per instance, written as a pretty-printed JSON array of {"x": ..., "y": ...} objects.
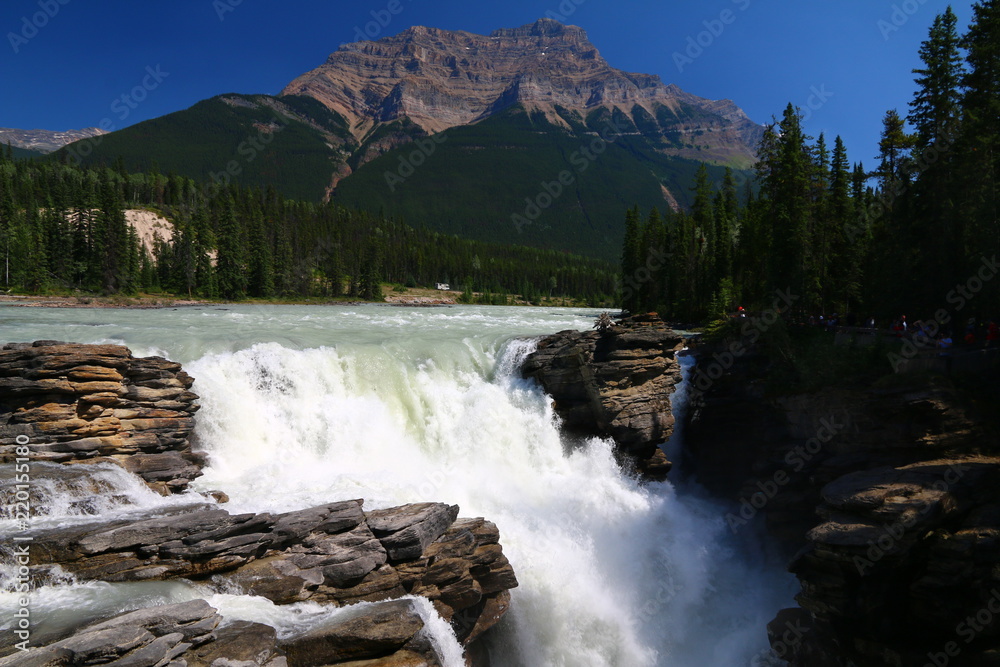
[{"x": 64, "y": 64}]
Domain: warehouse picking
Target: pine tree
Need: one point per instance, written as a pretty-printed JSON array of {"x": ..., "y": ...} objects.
[
  {"x": 785, "y": 168},
  {"x": 935, "y": 106},
  {"x": 980, "y": 141},
  {"x": 845, "y": 269},
  {"x": 261, "y": 280},
  {"x": 371, "y": 273},
  {"x": 231, "y": 266},
  {"x": 936, "y": 227},
  {"x": 113, "y": 243},
  {"x": 894, "y": 146}
]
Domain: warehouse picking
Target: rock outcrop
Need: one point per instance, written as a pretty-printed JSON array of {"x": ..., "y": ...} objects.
[
  {"x": 904, "y": 567},
  {"x": 45, "y": 141},
  {"x": 335, "y": 554},
  {"x": 70, "y": 403},
  {"x": 886, "y": 496},
  {"x": 614, "y": 384},
  {"x": 194, "y": 634}
]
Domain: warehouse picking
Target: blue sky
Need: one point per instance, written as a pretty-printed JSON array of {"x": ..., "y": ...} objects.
[{"x": 66, "y": 63}]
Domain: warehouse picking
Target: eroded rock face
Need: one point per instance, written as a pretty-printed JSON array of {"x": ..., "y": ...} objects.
[
  {"x": 615, "y": 385},
  {"x": 69, "y": 403},
  {"x": 904, "y": 558},
  {"x": 894, "y": 515}
]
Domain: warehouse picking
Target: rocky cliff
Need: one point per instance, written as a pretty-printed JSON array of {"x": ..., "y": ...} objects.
[
  {"x": 440, "y": 79},
  {"x": 614, "y": 384},
  {"x": 885, "y": 494},
  {"x": 72, "y": 412}
]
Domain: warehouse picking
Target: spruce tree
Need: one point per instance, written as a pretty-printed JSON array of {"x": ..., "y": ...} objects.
[
  {"x": 936, "y": 227},
  {"x": 980, "y": 142},
  {"x": 231, "y": 266}
]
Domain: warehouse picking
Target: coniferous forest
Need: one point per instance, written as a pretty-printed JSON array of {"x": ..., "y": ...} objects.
[
  {"x": 917, "y": 232},
  {"x": 64, "y": 227}
]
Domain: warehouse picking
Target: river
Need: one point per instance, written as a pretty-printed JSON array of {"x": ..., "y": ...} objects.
[{"x": 304, "y": 405}]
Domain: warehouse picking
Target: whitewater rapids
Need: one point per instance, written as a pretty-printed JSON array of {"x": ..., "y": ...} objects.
[{"x": 307, "y": 405}]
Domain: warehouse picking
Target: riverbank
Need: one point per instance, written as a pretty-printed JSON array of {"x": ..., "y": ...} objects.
[{"x": 411, "y": 297}]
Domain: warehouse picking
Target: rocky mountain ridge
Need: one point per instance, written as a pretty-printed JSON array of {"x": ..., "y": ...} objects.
[
  {"x": 440, "y": 79},
  {"x": 45, "y": 141}
]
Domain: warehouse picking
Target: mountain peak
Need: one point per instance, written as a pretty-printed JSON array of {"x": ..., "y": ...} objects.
[
  {"x": 439, "y": 79},
  {"x": 543, "y": 27}
]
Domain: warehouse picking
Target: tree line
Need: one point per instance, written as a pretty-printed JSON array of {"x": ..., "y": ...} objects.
[
  {"x": 916, "y": 234},
  {"x": 64, "y": 227}
]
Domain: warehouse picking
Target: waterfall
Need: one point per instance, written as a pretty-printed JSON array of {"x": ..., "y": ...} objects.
[{"x": 304, "y": 406}]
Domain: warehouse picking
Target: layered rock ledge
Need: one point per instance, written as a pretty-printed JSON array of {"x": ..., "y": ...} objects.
[
  {"x": 71, "y": 403},
  {"x": 335, "y": 554},
  {"x": 614, "y": 384},
  {"x": 194, "y": 634}
]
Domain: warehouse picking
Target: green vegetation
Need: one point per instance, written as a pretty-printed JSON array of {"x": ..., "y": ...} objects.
[
  {"x": 23, "y": 153},
  {"x": 471, "y": 182},
  {"x": 63, "y": 228},
  {"x": 479, "y": 177},
  {"x": 267, "y": 141},
  {"x": 922, "y": 240}
]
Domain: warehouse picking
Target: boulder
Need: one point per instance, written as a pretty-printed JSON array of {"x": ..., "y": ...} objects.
[{"x": 367, "y": 631}]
